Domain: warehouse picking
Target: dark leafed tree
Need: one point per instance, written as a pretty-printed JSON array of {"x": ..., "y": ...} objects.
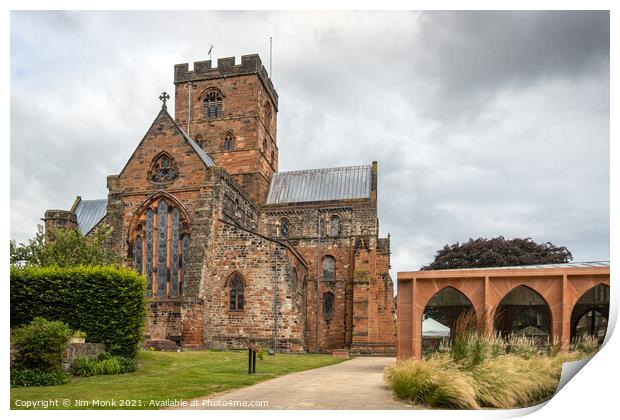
[{"x": 498, "y": 252}]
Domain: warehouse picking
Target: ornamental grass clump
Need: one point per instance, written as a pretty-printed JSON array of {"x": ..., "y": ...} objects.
[
  {"x": 586, "y": 344},
  {"x": 472, "y": 343},
  {"x": 478, "y": 368},
  {"x": 435, "y": 382},
  {"x": 523, "y": 346},
  {"x": 510, "y": 381}
]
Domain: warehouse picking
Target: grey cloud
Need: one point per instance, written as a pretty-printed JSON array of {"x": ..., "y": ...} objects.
[{"x": 483, "y": 123}]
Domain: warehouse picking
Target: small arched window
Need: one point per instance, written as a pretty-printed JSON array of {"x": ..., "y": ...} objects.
[
  {"x": 200, "y": 140},
  {"x": 273, "y": 156},
  {"x": 229, "y": 141},
  {"x": 329, "y": 268},
  {"x": 268, "y": 113},
  {"x": 284, "y": 228},
  {"x": 235, "y": 286},
  {"x": 212, "y": 105},
  {"x": 334, "y": 226},
  {"x": 328, "y": 306},
  {"x": 264, "y": 145}
]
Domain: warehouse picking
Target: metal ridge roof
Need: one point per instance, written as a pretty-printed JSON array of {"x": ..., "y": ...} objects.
[
  {"x": 341, "y": 183},
  {"x": 578, "y": 264},
  {"x": 89, "y": 213}
]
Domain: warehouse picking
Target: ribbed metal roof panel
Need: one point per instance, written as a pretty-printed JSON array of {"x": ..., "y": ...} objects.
[
  {"x": 89, "y": 213},
  {"x": 325, "y": 184},
  {"x": 583, "y": 264}
]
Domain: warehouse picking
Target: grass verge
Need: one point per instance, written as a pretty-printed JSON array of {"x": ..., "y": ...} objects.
[{"x": 165, "y": 376}]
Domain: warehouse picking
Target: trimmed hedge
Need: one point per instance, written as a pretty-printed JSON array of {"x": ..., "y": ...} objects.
[{"x": 107, "y": 303}]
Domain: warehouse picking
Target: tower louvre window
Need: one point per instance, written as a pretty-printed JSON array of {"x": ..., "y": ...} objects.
[{"x": 212, "y": 105}]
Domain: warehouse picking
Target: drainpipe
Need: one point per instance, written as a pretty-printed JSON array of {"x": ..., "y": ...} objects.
[
  {"x": 189, "y": 105},
  {"x": 275, "y": 305},
  {"x": 318, "y": 274}
]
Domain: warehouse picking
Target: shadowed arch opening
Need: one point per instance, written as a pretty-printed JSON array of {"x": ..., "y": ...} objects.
[
  {"x": 440, "y": 316},
  {"x": 590, "y": 314},
  {"x": 523, "y": 311}
]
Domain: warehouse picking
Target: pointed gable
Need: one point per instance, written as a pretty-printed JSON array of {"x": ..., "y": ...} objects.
[{"x": 165, "y": 148}]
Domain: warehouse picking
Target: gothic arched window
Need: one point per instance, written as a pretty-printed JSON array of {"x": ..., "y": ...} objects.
[
  {"x": 334, "y": 226},
  {"x": 328, "y": 306},
  {"x": 329, "y": 268},
  {"x": 284, "y": 228},
  {"x": 235, "y": 289},
  {"x": 161, "y": 247},
  {"x": 229, "y": 141},
  {"x": 212, "y": 104}
]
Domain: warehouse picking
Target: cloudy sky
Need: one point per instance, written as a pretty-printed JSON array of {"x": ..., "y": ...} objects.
[{"x": 483, "y": 124}]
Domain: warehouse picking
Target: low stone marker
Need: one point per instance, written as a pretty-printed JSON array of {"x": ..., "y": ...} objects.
[
  {"x": 252, "y": 350},
  {"x": 340, "y": 353}
]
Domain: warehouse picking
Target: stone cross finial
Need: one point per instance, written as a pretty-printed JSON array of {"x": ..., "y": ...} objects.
[{"x": 164, "y": 97}]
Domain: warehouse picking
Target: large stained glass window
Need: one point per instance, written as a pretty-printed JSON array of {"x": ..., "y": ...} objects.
[
  {"x": 174, "y": 255},
  {"x": 161, "y": 240},
  {"x": 162, "y": 248},
  {"x": 184, "y": 261},
  {"x": 149, "y": 252},
  {"x": 138, "y": 253}
]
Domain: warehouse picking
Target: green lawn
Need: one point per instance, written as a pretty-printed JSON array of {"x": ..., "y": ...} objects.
[{"x": 171, "y": 375}]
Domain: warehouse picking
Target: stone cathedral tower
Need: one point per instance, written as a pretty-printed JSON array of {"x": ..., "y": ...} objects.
[{"x": 230, "y": 111}]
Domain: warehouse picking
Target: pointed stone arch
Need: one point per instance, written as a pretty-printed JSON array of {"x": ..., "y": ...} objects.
[
  {"x": 524, "y": 309},
  {"x": 450, "y": 298},
  {"x": 149, "y": 202},
  {"x": 593, "y": 308}
]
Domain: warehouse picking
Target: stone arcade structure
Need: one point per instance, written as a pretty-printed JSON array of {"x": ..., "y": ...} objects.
[
  {"x": 233, "y": 250},
  {"x": 551, "y": 300}
]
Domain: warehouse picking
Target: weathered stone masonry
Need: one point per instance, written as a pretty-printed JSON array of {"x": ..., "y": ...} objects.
[{"x": 230, "y": 246}]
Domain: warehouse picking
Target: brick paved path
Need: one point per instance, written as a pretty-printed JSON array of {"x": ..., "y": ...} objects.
[{"x": 354, "y": 384}]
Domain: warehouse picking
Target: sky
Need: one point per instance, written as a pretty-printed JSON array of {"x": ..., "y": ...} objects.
[{"x": 482, "y": 123}]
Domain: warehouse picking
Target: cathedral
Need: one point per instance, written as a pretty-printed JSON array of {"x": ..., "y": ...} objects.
[{"x": 234, "y": 251}]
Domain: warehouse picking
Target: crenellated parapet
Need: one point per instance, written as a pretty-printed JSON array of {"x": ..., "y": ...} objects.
[{"x": 226, "y": 67}]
